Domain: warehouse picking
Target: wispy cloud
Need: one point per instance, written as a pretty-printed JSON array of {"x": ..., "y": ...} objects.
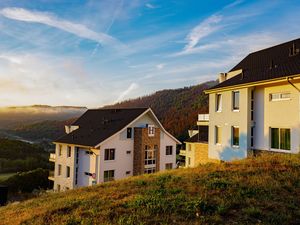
[
  {"x": 150, "y": 6},
  {"x": 160, "y": 66},
  {"x": 51, "y": 20},
  {"x": 132, "y": 87}
]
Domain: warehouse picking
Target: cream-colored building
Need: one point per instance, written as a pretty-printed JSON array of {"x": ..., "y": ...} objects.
[
  {"x": 110, "y": 144},
  {"x": 256, "y": 105}
]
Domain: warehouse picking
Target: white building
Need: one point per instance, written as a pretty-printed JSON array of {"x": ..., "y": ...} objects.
[
  {"x": 110, "y": 144},
  {"x": 256, "y": 105}
]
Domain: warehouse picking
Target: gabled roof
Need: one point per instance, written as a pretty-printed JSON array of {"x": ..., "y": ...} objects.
[
  {"x": 200, "y": 137},
  {"x": 96, "y": 125},
  {"x": 271, "y": 63}
]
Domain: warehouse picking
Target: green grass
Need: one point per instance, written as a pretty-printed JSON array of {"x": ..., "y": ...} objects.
[
  {"x": 263, "y": 190},
  {"x": 5, "y": 176}
]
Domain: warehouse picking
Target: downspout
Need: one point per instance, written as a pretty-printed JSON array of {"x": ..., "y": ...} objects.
[{"x": 288, "y": 80}]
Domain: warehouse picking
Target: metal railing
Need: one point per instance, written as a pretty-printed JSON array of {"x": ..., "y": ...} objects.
[
  {"x": 203, "y": 117},
  {"x": 52, "y": 157}
]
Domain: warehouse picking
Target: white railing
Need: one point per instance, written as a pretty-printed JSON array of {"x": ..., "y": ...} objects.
[
  {"x": 52, "y": 157},
  {"x": 203, "y": 117}
]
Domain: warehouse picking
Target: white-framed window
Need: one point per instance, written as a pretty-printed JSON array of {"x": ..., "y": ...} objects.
[
  {"x": 68, "y": 171},
  {"x": 150, "y": 155},
  {"x": 280, "y": 96},
  {"x": 218, "y": 131},
  {"x": 280, "y": 138},
  {"x": 59, "y": 170},
  {"x": 169, "y": 150},
  {"x": 151, "y": 130},
  {"x": 235, "y": 136},
  {"x": 235, "y": 100},
  {"x": 218, "y": 102},
  {"x": 169, "y": 166},
  {"x": 59, "y": 150},
  {"x": 150, "y": 170},
  {"x": 109, "y": 154},
  {"x": 69, "y": 151},
  {"x": 109, "y": 175}
]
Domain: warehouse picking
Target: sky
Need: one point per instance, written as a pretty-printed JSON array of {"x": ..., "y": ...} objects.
[{"x": 97, "y": 52}]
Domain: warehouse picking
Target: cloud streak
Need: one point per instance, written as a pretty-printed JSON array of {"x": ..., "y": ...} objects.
[
  {"x": 51, "y": 20},
  {"x": 132, "y": 87}
]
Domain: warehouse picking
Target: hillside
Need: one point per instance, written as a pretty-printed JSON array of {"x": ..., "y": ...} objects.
[
  {"x": 263, "y": 190},
  {"x": 177, "y": 109}
]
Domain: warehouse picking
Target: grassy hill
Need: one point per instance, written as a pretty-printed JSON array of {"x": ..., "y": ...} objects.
[
  {"x": 177, "y": 109},
  {"x": 263, "y": 190}
]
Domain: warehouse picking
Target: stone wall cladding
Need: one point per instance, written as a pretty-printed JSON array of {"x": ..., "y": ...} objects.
[{"x": 141, "y": 139}]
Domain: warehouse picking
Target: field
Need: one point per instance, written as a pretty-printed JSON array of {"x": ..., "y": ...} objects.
[{"x": 262, "y": 190}]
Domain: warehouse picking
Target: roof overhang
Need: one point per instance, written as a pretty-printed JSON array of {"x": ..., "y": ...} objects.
[
  {"x": 251, "y": 84},
  {"x": 78, "y": 145}
]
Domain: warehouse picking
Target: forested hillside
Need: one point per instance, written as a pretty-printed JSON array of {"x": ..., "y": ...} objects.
[{"x": 177, "y": 109}]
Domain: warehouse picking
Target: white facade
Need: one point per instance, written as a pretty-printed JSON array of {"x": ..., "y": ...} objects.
[
  {"x": 257, "y": 109},
  {"x": 90, "y": 165}
]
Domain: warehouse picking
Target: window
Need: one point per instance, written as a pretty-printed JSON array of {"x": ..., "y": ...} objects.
[
  {"x": 252, "y": 137},
  {"x": 218, "y": 135},
  {"x": 59, "y": 170},
  {"x": 189, "y": 160},
  {"x": 218, "y": 102},
  {"x": 235, "y": 136},
  {"x": 58, "y": 188},
  {"x": 236, "y": 100},
  {"x": 89, "y": 152},
  {"x": 150, "y": 170},
  {"x": 280, "y": 96},
  {"x": 129, "y": 132},
  {"x": 128, "y": 172},
  {"x": 252, "y": 105},
  {"x": 109, "y": 175},
  {"x": 281, "y": 138},
  {"x": 109, "y": 154},
  {"x": 128, "y": 152},
  {"x": 69, "y": 151},
  {"x": 150, "y": 156},
  {"x": 68, "y": 171},
  {"x": 169, "y": 166},
  {"x": 151, "y": 130},
  {"x": 169, "y": 150},
  {"x": 67, "y": 188},
  {"x": 59, "y": 150}
]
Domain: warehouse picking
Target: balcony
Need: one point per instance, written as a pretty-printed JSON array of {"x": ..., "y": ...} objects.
[
  {"x": 203, "y": 120},
  {"x": 182, "y": 152},
  {"x": 52, "y": 157},
  {"x": 51, "y": 175}
]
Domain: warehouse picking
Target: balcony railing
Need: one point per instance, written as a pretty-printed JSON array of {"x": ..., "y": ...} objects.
[
  {"x": 52, "y": 157},
  {"x": 182, "y": 152},
  {"x": 51, "y": 175},
  {"x": 203, "y": 117}
]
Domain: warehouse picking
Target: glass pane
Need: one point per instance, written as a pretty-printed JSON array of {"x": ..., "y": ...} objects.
[
  {"x": 285, "y": 139},
  {"x": 275, "y": 138},
  {"x": 236, "y": 136},
  {"x": 236, "y": 100},
  {"x": 219, "y": 102}
]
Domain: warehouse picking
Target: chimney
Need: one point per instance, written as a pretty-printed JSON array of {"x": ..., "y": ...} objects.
[{"x": 222, "y": 77}]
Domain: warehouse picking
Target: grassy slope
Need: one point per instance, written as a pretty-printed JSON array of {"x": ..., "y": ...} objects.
[
  {"x": 263, "y": 190},
  {"x": 5, "y": 176}
]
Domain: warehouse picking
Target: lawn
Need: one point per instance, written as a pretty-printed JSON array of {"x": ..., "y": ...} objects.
[{"x": 263, "y": 190}]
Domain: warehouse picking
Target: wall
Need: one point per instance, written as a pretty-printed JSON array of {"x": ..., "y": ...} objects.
[
  {"x": 226, "y": 119},
  {"x": 166, "y": 140},
  {"x": 65, "y": 161},
  {"x": 278, "y": 114}
]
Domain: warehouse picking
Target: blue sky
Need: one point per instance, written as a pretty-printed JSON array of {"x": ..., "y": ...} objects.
[{"x": 97, "y": 52}]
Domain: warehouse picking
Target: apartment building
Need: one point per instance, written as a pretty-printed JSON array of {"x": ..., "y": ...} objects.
[
  {"x": 256, "y": 105},
  {"x": 110, "y": 144}
]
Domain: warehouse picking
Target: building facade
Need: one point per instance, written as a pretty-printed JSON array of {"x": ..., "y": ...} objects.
[
  {"x": 110, "y": 144},
  {"x": 256, "y": 105}
]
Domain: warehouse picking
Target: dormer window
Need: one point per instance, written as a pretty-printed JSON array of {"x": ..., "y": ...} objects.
[{"x": 151, "y": 130}]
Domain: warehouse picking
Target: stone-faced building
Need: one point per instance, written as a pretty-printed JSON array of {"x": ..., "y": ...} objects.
[{"x": 109, "y": 144}]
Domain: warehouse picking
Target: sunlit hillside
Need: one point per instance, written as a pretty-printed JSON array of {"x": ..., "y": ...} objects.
[{"x": 264, "y": 190}]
